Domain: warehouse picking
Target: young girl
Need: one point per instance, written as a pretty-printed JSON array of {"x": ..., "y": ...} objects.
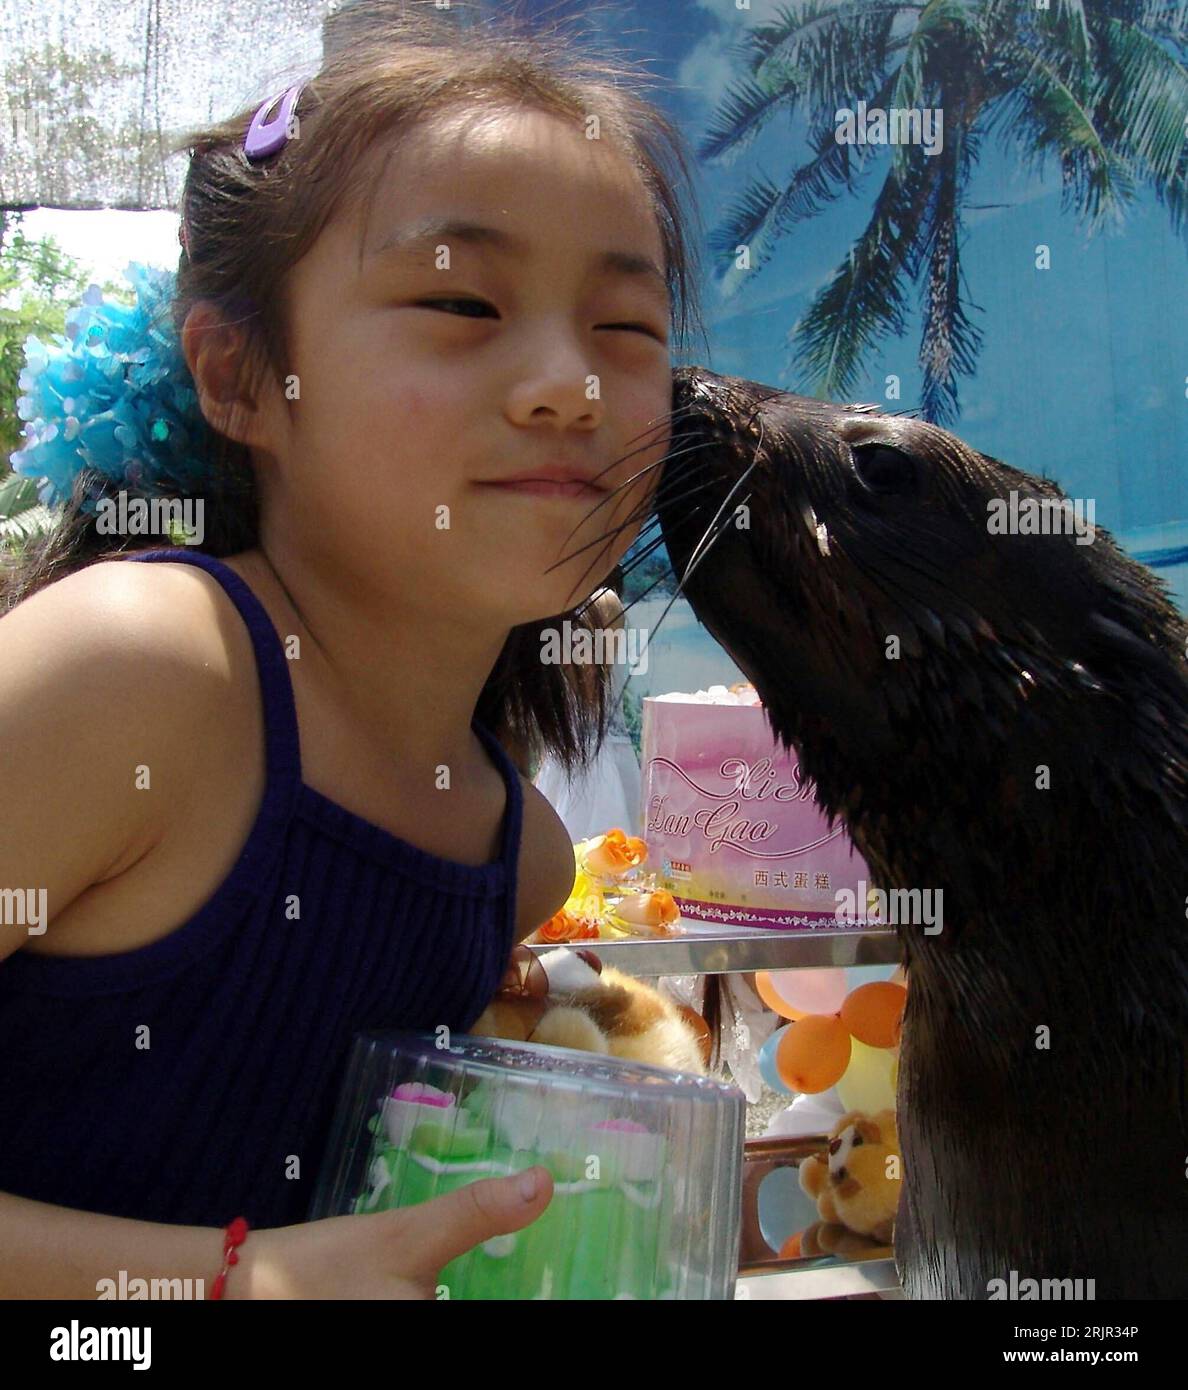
[{"x": 260, "y": 782}]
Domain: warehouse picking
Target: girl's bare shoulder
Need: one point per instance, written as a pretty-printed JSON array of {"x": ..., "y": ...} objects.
[
  {"x": 119, "y": 609},
  {"x": 115, "y": 683}
]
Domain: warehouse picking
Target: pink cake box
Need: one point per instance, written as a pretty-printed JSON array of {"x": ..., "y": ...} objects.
[{"x": 733, "y": 830}]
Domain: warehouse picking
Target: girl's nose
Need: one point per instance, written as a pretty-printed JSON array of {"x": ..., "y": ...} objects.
[{"x": 560, "y": 384}]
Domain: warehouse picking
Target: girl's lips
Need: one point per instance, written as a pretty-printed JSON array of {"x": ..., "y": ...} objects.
[{"x": 539, "y": 487}]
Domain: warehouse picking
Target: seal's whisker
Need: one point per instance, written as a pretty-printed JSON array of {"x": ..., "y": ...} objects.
[
  {"x": 672, "y": 498},
  {"x": 647, "y": 443},
  {"x": 679, "y": 593},
  {"x": 641, "y": 546},
  {"x": 642, "y": 555},
  {"x": 595, "y": 563},
  {"x": 665, "y": 421},
  {"x": 662, "y": 422},
  {"x": 645, "y": 506},
  {"x": 649, "y": 548},
  {"x": 640, "y": 597},
  {"x": 704, "y": 546},
  {"x": 609, "y": 536},
  {"x": 646, "y": 512},
  {"x": 648, "y": 504},
  {"x": 649, "y": 534},
  {"x": 696, "y": 556},
  {"x": 615, "y": 492},
  {"x": 580, "y": 583}
]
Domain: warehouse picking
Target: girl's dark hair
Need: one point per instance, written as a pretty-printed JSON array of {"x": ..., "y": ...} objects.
[{"x": 387, "y": 66}]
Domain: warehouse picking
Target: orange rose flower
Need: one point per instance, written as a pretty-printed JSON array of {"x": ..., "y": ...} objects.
[
  {"x": 564, "y": 926},
  {"x": 655, "y": 911},
  {"x": 614, "y": 854}
]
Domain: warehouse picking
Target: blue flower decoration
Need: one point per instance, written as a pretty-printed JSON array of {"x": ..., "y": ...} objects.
[{"x": 114, "y": 394}]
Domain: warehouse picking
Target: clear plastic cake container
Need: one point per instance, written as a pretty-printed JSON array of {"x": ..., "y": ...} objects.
[{"x": 646, "y": 1163}]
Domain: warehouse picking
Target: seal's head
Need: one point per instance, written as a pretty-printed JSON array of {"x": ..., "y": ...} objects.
[{"x": 925, "y": 623}]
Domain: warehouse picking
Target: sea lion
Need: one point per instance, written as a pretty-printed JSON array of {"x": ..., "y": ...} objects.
[{"x": 1022, "y": 745}]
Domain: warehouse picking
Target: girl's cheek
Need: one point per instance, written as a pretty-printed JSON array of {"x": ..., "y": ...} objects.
[
  {"x": 432, "y": 399},
  {"x": 414, "y": 410}
]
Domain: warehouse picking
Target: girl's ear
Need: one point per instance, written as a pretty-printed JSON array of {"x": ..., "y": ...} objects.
[{"x": 216, "y": 354}]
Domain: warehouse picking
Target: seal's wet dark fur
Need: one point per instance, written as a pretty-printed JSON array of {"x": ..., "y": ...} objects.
[{"x": 1043, "y": 1094}]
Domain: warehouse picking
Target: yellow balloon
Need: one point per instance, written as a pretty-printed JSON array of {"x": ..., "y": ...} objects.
[{"x": 867, "y": 1084}]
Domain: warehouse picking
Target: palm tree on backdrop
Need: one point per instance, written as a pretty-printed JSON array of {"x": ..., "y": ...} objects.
[{"x": 1100, "y": 84}]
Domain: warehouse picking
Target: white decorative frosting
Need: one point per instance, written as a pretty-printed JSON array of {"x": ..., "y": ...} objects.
[
  {"x": 646, "y": 1199},
  {"x": 379, "y": 1177},
  {"x": 474, "y": 1165}
]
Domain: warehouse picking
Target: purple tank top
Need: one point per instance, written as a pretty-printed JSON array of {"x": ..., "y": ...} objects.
[{"x": 249, "y": 1010}]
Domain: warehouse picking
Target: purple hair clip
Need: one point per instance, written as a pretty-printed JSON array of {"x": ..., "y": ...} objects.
[{"x": 266, "y": 137}]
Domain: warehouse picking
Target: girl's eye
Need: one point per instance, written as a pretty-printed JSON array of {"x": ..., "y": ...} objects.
[
  {"x": 437, "y": 303},
  {"x": 636, "y": 328},
  {"x": 482, "y": 304}
]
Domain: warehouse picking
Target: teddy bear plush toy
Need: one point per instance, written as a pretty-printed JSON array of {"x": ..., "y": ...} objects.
[
  {"x": 856, "y": 1184},
  {"x": 567, "y": 998}
]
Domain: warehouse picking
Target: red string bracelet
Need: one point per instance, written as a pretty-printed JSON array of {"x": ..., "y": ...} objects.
[{"x": 235, "y": 1234}]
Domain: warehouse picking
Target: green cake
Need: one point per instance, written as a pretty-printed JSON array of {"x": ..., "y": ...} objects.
[
  {"x": 598, "y": 1237},
  {"x": 646, "y": 1163}
]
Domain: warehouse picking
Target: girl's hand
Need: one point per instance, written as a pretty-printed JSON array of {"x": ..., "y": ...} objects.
[{"x": 385, "y": 1254}]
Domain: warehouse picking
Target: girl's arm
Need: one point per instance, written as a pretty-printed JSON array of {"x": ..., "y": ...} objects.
[{"x": 57, "y": 1252}]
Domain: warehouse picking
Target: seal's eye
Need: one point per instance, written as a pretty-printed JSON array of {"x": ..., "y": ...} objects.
[{"x": 884, "y": 470}]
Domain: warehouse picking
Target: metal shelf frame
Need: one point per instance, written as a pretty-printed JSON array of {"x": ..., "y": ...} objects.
[{"x": 737, "y": 951}]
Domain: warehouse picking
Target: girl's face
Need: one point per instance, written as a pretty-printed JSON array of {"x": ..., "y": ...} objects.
[{"x": 451, "y": 360}]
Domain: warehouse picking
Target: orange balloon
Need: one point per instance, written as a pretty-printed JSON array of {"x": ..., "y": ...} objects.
[
  {"x": 814, "y": 1054},
  {"x": 772, "y": 998},
  {"x": 790, "y": 1250},
  {"x": 874, "y": 1013}
]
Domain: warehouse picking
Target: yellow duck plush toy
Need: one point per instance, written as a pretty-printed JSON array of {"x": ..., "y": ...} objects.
[{"x": 567, "y": 998}]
